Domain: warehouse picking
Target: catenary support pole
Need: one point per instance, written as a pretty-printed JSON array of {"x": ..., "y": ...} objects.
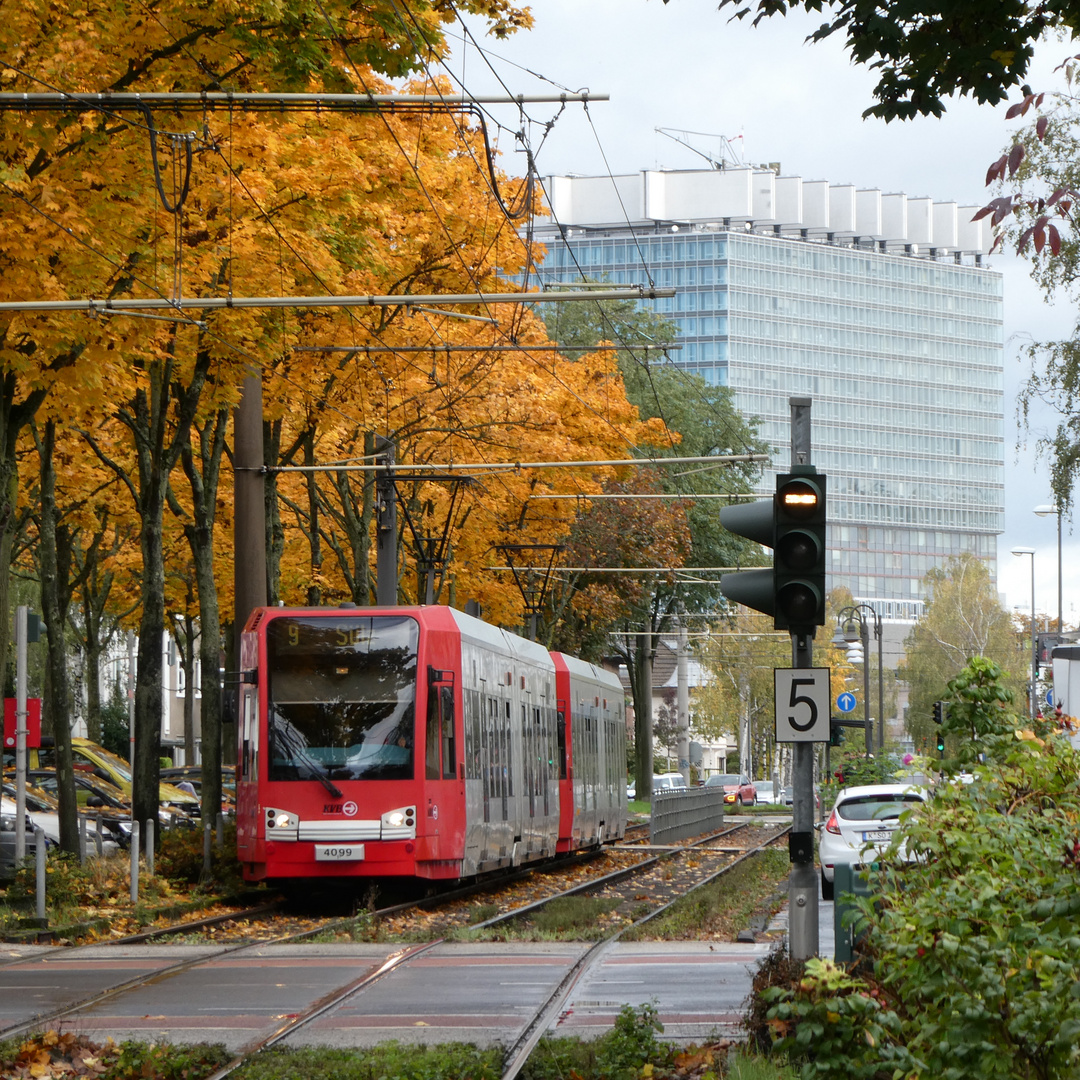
[
  {"x": 20, "y": 732},
  {"x": 249, "y": 524},
  {"x": 682, "y": 700},
  {"x": 386, "y": 532}
]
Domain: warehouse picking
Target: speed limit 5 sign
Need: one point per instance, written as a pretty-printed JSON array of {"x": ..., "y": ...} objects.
[{"x": 802, "y": 704}]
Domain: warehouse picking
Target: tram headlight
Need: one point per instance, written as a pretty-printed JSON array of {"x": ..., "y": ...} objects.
[
  {"x": 399, "y": 824},
  {"x": 281, "y": 823}
]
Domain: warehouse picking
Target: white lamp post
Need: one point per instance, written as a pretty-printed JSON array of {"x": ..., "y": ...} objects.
[
  {"x": 1034, "y": 639},
  {"x": 1054, "y": 511}
]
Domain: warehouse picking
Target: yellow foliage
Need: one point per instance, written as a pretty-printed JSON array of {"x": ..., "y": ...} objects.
[{"x": 286, "y": 204}]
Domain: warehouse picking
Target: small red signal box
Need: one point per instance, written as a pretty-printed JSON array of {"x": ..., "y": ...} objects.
[{"x": 33, "y": 723}]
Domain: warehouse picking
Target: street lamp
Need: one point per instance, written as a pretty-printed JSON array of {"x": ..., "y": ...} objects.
[
  {"x": 1034, "y": 639},
  {"x": 1055, "y": 511},
  {"x": 853, "y": 625}
]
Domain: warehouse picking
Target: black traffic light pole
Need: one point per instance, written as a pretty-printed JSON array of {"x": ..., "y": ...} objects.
[
  {"x": 802, "y": 884},
  {"x": 793, "y": 524}
]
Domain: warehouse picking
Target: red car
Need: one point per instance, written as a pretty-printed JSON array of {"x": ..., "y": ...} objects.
[{"x": 737, "y": 788}]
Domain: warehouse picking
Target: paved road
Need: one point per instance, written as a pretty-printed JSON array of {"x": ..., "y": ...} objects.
[{"x": 481, "y": 993}]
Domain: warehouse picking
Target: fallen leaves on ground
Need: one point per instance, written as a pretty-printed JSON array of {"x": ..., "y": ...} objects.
[{"x": 60, "y": 1054}]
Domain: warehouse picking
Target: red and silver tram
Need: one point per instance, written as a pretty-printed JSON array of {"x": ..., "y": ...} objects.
[{"x": 418, "y": 742}]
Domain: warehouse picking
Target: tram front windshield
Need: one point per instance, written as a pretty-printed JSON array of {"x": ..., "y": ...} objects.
[{"x": 342, "y": 697}]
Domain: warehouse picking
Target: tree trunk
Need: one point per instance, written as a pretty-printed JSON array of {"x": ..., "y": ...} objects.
[
  {"x": 149, "y": 685},
  {"x": 314, "y": 590},
  {"x": 92, "y": 676},
  {"x": 54, "y": 566},
  {"x": 275, "y": 529},
  {"x": 159, "y": 417},
  {"x": 14, "y": 416},
  {"x": 203, "y": 477},
  {"x": 639, "y": 668}
]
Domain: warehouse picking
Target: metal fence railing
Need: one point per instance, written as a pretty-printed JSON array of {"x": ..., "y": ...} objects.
[{"x": 678, "y": 815}]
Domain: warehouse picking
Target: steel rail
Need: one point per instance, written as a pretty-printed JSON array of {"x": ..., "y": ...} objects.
[
  {"x": 518, "y": 1052},
  {"x": 477, "y": 888},
  {"x": 607, "y": 879},
  {"x": 329, "y": 1001}
]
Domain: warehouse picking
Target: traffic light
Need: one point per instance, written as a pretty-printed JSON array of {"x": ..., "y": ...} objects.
[
  {"x": 792, "y": 523},
  {"x": 836, "y": 733},
  {"x": 799, "y": 555},
  {"x": 939, "y": 716}
]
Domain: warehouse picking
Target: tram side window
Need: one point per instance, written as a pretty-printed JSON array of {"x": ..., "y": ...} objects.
[
  {"x": 473, "y": 721},
  {"x": 540, "y": 751},
  {"x": 433, "y": 736},
  {"x": 440, "y": 734},
  {"x": 508, "y": 742},
  {"x": 560, "y": 735},
  {"x": 449, "y": 745},
  {"x": 249, "y": 720}
]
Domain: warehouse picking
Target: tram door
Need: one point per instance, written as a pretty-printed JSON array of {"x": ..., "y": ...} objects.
[
  {"x": 247, "y": 788},
  {"x": 444, "y": 788}
]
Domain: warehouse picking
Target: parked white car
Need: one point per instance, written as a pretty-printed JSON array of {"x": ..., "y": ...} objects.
[
  {"x": 767, "y": 792},
  {"x": 668, "y": 781},
  {"x": 861, "y": 825},
  {"x": 45, "y": 815}
]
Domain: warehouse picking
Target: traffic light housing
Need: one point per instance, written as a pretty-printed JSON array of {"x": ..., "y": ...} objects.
[
  {"x": 939, "y": 716},
  {"x": 799, "y": 551},
  {"x": 792, "y": 523}
]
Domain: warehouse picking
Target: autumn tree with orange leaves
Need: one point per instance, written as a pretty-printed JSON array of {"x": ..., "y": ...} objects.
[
  {"x": 237, "y": 203},
  {"x": 116, "y": 205}
]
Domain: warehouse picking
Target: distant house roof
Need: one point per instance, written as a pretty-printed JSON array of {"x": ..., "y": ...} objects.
[{"x": 665, "y": 669}]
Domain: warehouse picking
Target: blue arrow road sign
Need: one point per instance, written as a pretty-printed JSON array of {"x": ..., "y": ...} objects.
[
  {"x": 846, "y": 702},
  {"x": 1050, "y": 696}
]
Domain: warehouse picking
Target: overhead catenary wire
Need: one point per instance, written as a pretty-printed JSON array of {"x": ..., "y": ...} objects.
[
  {"x": 234, "y": 301},
  {"x": 513, "y": 466},
  {"x": 396, "y": 300}
]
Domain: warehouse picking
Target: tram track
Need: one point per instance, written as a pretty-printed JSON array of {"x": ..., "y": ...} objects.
[
  {"x": 518, "y": 1052},
  {"x": 719, "y": 842},
  {"x": 235, "y": 949},
  {"x": 540, "y": 1021}
]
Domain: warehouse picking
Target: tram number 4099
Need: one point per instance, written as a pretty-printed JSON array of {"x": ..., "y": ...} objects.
[{"x": 338, "y": 852}]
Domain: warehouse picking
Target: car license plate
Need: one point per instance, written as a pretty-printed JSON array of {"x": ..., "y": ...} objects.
[
  {"x": 877, "y": 834},
  {"x": 338, "y": 852}
]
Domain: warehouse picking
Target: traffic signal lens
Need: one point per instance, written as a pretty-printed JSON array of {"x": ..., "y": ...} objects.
[
  {"x": 798, "y": 602},
  {"x": 798, "y": 498},
  {"x": 799, "y": 550}
]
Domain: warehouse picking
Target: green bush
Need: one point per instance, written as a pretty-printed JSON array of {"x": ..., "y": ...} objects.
[
  {"x": 834, "y": 1025},
  {"x": 450, "y": 1061},
  {"x": 179, "y": 858},
  {"x": 619, "y": 1054},
  {"x": 971, "y": 951}
]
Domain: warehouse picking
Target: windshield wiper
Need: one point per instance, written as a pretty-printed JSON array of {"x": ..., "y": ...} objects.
[{"x": 326, "y": 782}]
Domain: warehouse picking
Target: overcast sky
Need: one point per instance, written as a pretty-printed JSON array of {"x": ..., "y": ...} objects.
[{"x": 685, "y": 66}]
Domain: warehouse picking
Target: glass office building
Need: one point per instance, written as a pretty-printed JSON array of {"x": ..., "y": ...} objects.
[{"x": 877, "y": 307}]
